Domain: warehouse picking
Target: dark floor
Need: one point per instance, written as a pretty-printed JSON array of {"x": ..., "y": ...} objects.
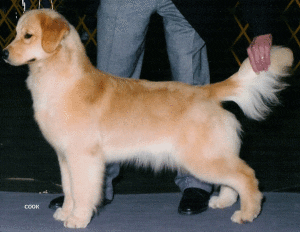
[
  {"x": 149, "y": 213},
  {"x": 27, "y": 162}
]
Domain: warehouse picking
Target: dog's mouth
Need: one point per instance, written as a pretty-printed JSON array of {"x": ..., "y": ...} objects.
[
  {"x": 6, "y": 60},
  {"x": 31, "y": 61}
]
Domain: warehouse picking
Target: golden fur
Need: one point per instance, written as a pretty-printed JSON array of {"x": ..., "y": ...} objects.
[{"x": 91, "y": 117}]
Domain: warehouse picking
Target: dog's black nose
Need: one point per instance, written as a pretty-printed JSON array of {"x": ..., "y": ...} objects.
[{"x": 5, "y": 54}]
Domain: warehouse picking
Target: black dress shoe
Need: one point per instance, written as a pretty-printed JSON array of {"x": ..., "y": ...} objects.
[
  {"x": 58, "y": 202},
  {"x": 193, "y": 201}
]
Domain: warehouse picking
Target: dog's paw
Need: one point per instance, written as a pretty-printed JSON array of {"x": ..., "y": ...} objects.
[
  {"x": 61, "y": 215},
  {"x": 76, "y": 222},
  {"x": 217, "y": 202},
  {"x": 242, "y": 218}
]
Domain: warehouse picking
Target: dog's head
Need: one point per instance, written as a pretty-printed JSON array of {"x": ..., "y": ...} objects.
[{"x": 39, "y": 35}]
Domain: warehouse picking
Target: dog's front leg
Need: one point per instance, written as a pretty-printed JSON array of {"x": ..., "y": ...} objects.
[
  {"x": 61, "y": 214},
  {"x": 86, "y": 171}
]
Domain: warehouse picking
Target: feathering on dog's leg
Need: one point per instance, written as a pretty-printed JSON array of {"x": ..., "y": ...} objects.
[{"x": 87, "y": 171}]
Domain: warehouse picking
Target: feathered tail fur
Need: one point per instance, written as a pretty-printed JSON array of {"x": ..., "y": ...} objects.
[{"x": 254, "y": 93}]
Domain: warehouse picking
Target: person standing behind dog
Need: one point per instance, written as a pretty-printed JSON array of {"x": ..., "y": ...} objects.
[{"x": 121, "y": 31}]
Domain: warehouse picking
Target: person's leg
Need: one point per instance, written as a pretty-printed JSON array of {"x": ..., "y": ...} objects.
[
  {"x": 186, "y": 49},
  {"x": 121, "y": 31},
  {"x": 112, "y": 171},
  {"x": 189, "y": 64},
  {"x": 185, "y": 180}
]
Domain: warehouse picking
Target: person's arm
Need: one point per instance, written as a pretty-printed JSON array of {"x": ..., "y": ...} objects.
[
  {"x": 259, "y": 53},
  {"x": 205, "y": 14},
  {"x": 260, "y": 15}
]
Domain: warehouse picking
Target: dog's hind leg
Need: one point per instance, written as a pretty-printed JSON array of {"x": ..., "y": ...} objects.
[
  {"x": 243, "y": 180},
  {"x": 235, "y": 173},
  {"x": 87, "y": 171},
  {"x": 227, "y": 197}
]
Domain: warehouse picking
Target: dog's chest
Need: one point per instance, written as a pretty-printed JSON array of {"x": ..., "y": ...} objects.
[{"x": 48, "y": 100}]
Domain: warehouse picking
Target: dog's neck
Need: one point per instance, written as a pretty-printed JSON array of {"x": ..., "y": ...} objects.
[{"x": 56, "y": 73}]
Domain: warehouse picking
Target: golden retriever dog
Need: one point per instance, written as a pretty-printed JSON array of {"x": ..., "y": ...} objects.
[{"x": 91, "y": 117}]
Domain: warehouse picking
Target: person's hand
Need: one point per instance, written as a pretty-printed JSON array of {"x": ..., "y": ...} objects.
[{"x": 259, "y": 53}]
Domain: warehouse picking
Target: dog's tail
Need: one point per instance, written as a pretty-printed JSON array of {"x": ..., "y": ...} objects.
[{"x": 254, "y": 93}]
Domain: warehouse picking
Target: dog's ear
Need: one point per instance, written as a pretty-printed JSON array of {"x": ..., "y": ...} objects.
[{"x": 53, "y": 31}]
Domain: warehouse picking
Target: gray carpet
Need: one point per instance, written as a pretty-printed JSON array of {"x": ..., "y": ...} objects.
[{"x": 149, "y": 212}]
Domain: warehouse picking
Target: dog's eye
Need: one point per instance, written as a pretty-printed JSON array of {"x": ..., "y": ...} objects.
[{"x": 27, "y": 36}]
